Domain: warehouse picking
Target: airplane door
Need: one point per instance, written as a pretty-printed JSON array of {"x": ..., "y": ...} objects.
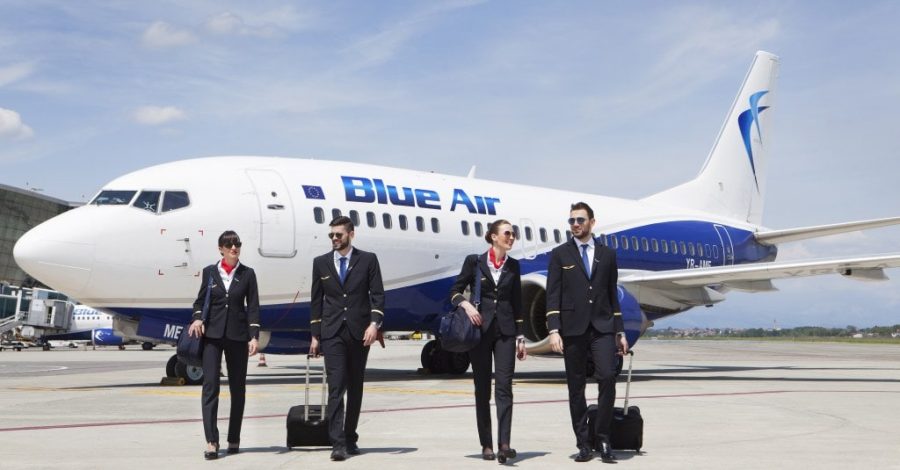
[
  {"x": 276, "y": 214},
  {"x": 528, "y": 238},
  {"x": 726, "y": 245}
]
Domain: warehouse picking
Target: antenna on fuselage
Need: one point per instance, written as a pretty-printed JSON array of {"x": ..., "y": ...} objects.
[{"x": 471, "y": 172}]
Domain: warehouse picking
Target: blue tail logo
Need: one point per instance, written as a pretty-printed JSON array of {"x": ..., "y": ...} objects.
[{"x": 745, "y": 123}]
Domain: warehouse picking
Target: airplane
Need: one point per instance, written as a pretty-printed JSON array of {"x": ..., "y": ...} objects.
[
  {"x": 96, "y": 327},
  {"x": 137, "y": 249}
]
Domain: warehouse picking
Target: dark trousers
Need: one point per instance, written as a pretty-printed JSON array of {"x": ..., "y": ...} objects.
[
  {"x": 345, "y": 363},
  {"x": 236, "y": 355},
  {"x": 503, "y": 350},
  {"x": 602, "y": 349}
]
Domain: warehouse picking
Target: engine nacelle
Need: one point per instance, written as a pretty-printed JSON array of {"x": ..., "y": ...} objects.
[
  {"x": 534, "y": 300},
  {"x": 106, "y": 337}
]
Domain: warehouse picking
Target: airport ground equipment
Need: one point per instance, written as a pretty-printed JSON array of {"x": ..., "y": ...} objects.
[
  {"x": 307, "y": 425},
  {"x": 627, "y": 431}
]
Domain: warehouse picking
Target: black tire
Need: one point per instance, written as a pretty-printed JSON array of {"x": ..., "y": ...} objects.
[
  {"x": 192, "y": 375},
  {"x": 147, "y": 346},
  {"x": 430, "y": 355},
  {"x": 170, "y": 366},
  {"x": 45, "y": 346},
  {"x": 456, "y": 363}
]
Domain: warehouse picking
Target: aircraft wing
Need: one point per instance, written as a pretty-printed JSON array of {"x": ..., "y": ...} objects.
[{"x": 757, "y": 277}]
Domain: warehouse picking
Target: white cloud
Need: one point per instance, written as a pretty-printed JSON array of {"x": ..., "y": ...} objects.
[
  {"x": 11, "y": 125},
  {"x": 157, "y": 115},
  {"x": 15, "y": 72},
  {"x": 264, "y": 24},
  {"x": 161, "y": 34}
]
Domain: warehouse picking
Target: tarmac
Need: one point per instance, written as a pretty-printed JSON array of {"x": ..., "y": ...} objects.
[{"x": 706, "y": 404}]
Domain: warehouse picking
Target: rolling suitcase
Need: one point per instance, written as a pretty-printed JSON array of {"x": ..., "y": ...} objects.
[
  {"x": 628, "y": 424},
  {"x": 307, "y": 425},
  {"x": 627, "y": 431}
]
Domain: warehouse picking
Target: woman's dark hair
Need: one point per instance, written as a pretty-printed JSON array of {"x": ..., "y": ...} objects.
[
  {"x": 228, "y": 236},
  {"x": 494, "y": 229}
]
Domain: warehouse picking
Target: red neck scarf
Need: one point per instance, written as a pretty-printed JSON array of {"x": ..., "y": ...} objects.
[
  {"x": 227, "y": 268},
  {"x": 493, "y": 258}
]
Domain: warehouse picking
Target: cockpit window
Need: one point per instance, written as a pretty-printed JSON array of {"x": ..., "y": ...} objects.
[
  {"x": 175, "y": 200},
  {"x": 148, "y": 200},
  {"x": 113, "y": 198}
]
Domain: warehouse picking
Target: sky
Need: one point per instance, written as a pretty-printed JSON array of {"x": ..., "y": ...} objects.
[{"x": 525, "y": 90}]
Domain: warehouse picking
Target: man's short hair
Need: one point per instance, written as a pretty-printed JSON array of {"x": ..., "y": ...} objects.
[
  {"x": 342, "y": 220},
  {"x": 583, "y": 206}
]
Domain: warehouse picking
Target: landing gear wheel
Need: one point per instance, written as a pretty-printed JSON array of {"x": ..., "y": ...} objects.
[
  {"x": 192, "y": 375},
  {"x": 146, "y": 346},
  {"x": 170, "y": 366},
  {"x": 456, "y": 363},
  {"x": 430, "y": 356}
]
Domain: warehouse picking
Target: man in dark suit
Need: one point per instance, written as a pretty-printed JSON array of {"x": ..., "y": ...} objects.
[
  {"x": 347, "y": 310},
  {"x": 584, "y": 320}
]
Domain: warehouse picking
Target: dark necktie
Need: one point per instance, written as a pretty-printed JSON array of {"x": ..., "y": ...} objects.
[
  {"x": 585, "y": 260},
  {"x": 343, "y": 272}
]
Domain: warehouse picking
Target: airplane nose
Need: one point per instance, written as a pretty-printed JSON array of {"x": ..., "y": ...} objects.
[{"x": 57, "y": 254}]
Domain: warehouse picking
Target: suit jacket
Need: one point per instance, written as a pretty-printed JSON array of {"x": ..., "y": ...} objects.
[
  {"x": 359, "y": 300},
  {"x": 501, "y": 301},
  {"x": 233, "y": 314},
  {"x": 576, "y": 301}
]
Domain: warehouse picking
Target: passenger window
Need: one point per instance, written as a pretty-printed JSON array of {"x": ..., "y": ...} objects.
[
  {"x": 528, "y": 233},
  {"x": 665, "y": 246},
  {"x": 435, "y": 225},
  {"x": 148, "y": 200},
  {"x": 465, "y": 227},
  {"x": 615, "y": 242},
  {"x": 644, "y": 244},
  {"x": 335, "y": 213},
  {"x": 634, "y": 244},
  {"x": 691, "y": 247},
  {"x": 516, "y": 231},
  {"x": 420, "y": 223},
  {"x": 557, "y": 235},
  {"x": 715, "y": 251},
  {"x": 387, "y": 222},
  {"x": 683, "y": 248},
  {"x": 674, "y": 247},
  {"x": 478, "y": 230},
  {"x": 568, "y": 235},
  {"x": 370, "y": 219},
  {"x": 113, "y": 198},
  {"x": 403, "y": 223},
  {"x": 624, "y": 242},
  {"x": 543, "y": 233},
  {"x": 354, "y": 217},
  {"x": 319, "y": 215},
  {"x": 654, "y": 245},
  {"x": 175, "y": 200},
  {"x": 699, "y": 249},
  {"x": 706, "y": 250},
  {"x": 602, "y": 238}
]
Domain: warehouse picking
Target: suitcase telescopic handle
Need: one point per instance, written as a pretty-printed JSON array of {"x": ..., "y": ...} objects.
[
  {"x": 324, "y": 390},
  {"x": 628, "y": 382}
]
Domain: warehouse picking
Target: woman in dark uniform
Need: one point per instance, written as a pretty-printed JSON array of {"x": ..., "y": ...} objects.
[
  {"x": 500, "y": 318},
  {"x": 232, "y": 328}
]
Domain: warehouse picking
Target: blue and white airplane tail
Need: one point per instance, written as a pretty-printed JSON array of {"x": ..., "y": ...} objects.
[{"x": 732, "y": 183}]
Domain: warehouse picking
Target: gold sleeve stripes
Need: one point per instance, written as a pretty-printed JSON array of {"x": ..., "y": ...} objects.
[
  {"x": 315, "y": 321},
  {"x": 553, "y": 312}
]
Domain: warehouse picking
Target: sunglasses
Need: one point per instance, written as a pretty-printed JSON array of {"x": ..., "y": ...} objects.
[
  {"x": 508, "y": 234},
  {"x": 577, "y": 220},
  {"x": 334, "y": 235},
  {"x": 228, "y": 245}
]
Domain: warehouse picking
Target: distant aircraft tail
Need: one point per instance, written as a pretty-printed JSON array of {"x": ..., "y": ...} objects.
[{"x": 732, "y": 182}]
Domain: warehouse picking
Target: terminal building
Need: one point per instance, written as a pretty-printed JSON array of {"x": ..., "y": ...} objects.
[{"x": 20, "y": 211}]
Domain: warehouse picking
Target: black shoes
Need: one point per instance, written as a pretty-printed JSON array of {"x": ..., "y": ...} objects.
[
  {"x": 584, "y": 454},
  {"x": 211, "y": 454},
  {"x": 338, "y": 454},
  {"x": 233, "y": 448},
  {"x": 606, "y": 454},
  {"x": 504, "y": 454},
  {"x": 487, "y": 454},
  {"x": 352, "y": 448}
]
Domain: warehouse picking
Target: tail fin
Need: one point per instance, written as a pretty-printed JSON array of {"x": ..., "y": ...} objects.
[{"x": 732, "y": 182}]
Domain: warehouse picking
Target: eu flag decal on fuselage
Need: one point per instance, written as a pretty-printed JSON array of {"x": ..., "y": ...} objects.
[{"x": 313, "y": 192}]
